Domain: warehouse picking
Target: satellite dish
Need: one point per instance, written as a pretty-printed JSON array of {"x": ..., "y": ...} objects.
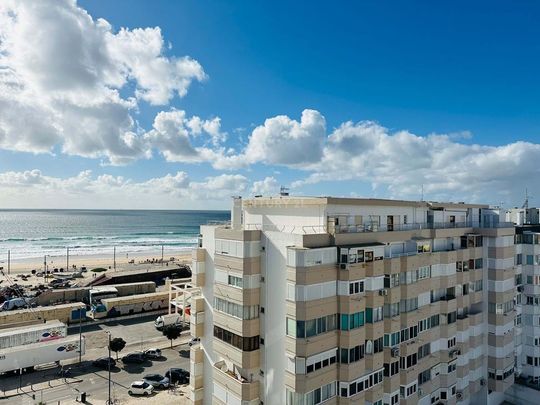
[{"x": 369, "y": 346}]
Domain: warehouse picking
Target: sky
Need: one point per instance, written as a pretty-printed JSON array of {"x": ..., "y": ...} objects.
[{"x": 183, "y": 104}]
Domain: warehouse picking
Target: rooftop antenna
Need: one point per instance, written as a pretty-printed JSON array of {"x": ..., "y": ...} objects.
[
  {"x": 283, "y": 191},
  {"x": 422, "y": 197},
  {"x": 526, "y": 203}
]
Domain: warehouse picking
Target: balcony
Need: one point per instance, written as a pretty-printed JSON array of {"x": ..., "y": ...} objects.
[
  {"x": 417, "y": 226},
  {"x": 235, "y": 383}
]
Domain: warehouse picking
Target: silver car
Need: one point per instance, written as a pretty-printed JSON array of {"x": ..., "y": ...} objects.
[{"x": 156, "y": 380}]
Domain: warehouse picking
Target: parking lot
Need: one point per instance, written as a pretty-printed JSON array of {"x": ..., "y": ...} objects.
[{"x": 44, "y": 385}]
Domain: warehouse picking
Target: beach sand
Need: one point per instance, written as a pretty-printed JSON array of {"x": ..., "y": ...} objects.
[{"x": 142, "y": 260}]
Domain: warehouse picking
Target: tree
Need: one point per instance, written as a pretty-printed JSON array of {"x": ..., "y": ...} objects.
[
  {"x": 117, "y": 345},
  {"x": 172, "y": 332}
]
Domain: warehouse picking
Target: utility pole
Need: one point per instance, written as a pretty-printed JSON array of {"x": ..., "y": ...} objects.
[
  {"x": 8, "y": 261},
  {"x": 67, "y": 259},
  {"x": 162, "y": 255},
  {"x": 80, "y": 334},
  {"x": 109, "y": 363},
  {"x": 114, "y": 258}
]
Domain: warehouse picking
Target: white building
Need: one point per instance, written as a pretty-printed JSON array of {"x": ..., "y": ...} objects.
[{"x": 341, "y": 301}]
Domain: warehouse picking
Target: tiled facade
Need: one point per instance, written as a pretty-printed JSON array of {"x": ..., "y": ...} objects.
[{"x": 342, "y": 301}]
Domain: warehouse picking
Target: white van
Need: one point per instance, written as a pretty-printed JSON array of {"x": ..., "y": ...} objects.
[
  {"x": 166, "y": 320},
  {"x": 15, "y": 303}
]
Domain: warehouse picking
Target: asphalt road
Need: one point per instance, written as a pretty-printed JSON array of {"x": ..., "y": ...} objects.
[{"x": 95, "y": 381}]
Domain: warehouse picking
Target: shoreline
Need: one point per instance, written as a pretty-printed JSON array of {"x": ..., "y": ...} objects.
[{"x": 22, "y": 265}]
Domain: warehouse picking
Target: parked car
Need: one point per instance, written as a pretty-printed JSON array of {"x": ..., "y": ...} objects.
[
  {"x": 153, "y": 353},
  {"x": 178, "y": 375},
  {"x": 140, "y": 388},
  {"x": 194, "y": 341},
  {"x": 157, "y": 380},
  {"x": 135, "y": 357},
  {"x": 103, "y": 362}
]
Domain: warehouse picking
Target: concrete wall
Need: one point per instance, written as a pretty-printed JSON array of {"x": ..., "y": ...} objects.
[{"x": 63, "y": 313}]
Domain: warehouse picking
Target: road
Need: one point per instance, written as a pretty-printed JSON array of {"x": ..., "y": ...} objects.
[{"x": 94, "y": 381}]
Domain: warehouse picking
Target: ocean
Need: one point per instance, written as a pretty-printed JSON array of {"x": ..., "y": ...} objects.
[{"x": 34, "y": 233}]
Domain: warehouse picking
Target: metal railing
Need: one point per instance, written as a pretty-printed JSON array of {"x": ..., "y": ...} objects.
[{"x": 418, "y": 226}]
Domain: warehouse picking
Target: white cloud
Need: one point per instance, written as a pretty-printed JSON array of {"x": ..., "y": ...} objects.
[
  {"x": 267, "y": 186},
  {"x": 174, "y": 135},
  {"x": 402, "y": 162},
  {"x": 61, "y": 73},
  {"x": 30, "y": 189}
]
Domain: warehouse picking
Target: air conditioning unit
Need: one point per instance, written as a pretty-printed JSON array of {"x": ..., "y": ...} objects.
[
  {"x": 520, "y": 288},
  {"x": 459, "y": 395},
  {"x": 343, "y": 266},
  {"x": 394, "y": 352},
  {"x": 383, "y": 292},
  {"x": 482, "y": 381}
]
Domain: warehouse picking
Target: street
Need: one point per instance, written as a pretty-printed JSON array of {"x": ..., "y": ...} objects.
[{"x": 49, "y": 388}]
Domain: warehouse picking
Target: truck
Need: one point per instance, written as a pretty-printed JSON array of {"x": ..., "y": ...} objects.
[
  {"x": 40, "y": 332},
  {"x": 170, "y": 319},
  {"x": 25, "y": 357}
]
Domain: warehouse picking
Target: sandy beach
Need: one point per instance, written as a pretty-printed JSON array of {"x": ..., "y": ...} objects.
[{"x": 93, "y": 261}]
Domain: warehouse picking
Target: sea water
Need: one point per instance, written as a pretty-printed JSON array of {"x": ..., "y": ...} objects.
[{"x": 34, "y": 233}]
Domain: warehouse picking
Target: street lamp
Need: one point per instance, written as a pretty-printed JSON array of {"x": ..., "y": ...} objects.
[
  {"x": 80, "y": 334},
  {"x": 109, "y": 367}
]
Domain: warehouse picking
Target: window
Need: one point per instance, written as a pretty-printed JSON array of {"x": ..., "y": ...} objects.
[
  {"x": 235, "y": 281},
  {"x": 424, "y": 376},
  {"x": 391, "y": 310},
  {"x": 423, "y": 272},
  {"x": 351, "y": 355},
  {"x": 451, "y": 317},
  {"x": 451, "y": 367},
  {"x": 315, "y": 397},
  {"x": 236, "y": 310},
  {"x": 356, "y": 287},
  {"x": 304, "y": 329},
  {"x": 409, "y": 305},
  {"x": 519, "y": 258},
  {"x": 451, "y": 342},
  {"x": 378, "y": 345},
  {"x": 408, "y": 361},
  {"x": 374, "y": 314},
  {"x": 391, "y": 369},
  {"x": 246, "y": 344},
  {"x": 391, "y": 280},
  {"x": 319, "y": 361},
  {"x": 352, "y": 321},
  {"x": 424, "y": 350},
  {"x": 530, "y": 259}
]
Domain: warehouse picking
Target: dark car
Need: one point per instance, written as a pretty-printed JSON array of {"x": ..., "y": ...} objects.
[
  {"x": 103, "y": 362},
  {"x": 135, "y": 357},
  {"x": 177, "y": 375}
]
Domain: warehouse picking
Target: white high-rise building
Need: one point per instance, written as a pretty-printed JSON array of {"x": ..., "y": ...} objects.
[{"x": 341, "y": 301}]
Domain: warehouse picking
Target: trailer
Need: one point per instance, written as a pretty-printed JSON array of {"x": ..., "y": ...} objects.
[
  {"x": 134, "y": 304},
  {"x": 26, "y": 357},
  {"x": 41, "y": 332}
]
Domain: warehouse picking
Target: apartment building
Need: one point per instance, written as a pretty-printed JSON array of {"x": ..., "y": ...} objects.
[
  {"x": 527, "y": 297},
  {"x": 309, "y": 300}
]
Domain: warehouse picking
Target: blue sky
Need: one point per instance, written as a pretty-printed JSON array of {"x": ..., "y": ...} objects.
[{"x": 468, "y": 71}]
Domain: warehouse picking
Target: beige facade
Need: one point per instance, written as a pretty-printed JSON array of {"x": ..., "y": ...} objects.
[{"x": 356, "y": 301}]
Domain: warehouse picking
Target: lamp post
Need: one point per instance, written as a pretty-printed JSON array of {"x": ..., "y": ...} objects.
[
  {"x": 80, "y": 334},
  {"x": 109, "y": 367}
]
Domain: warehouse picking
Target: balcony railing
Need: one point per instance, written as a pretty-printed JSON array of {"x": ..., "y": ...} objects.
[{"x": 418, "y": 226}]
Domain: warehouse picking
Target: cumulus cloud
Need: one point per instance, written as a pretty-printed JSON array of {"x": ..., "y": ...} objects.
[
  {"x": 34, "y": 189},
  {"x": 175, "y": 135},
  {"x": 400, "y": 163},
  {"x": 267, "y": 186},
  {"x": 61, "y": 75}
]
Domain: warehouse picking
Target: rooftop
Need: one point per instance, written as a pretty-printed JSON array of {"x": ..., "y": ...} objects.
[{"x": 293, "y": 200}]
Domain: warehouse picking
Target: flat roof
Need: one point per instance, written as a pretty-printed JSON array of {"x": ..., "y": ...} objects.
[{"x": 293, "y": 200}]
